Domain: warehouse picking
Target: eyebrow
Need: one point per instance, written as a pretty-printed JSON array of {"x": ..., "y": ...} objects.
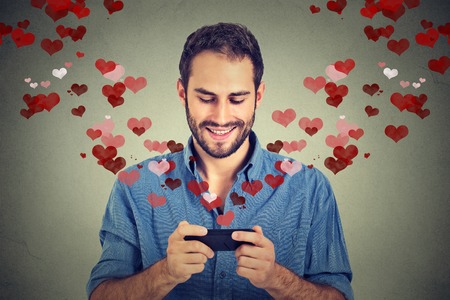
[{"x": 234, "y": 94}]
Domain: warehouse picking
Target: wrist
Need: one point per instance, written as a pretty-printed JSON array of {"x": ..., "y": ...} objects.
[{"x": 165, "y": 273}]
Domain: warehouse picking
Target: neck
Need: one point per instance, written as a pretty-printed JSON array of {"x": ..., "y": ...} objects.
[{"x": 222, "y": 168}]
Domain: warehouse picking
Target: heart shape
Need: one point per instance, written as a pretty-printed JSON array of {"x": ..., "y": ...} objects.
[
  {"x": 289, "y": 167},
  {"x": 275, "y": 147},
  {"x": 104, "y": 154},
  {"x": 160, "y": 147},
  {"x": 114, "y": 141},
  {"x": 156, "y": 200},
  {"x": 59, "y": 73},
  {"x": 197, "y": 187},
  {"x": 339, "y": 140},
  {"x": 439, "y": 65},
  {"x": 399, "y": 46},
  {"x": 371, "y": 89},
  {"x": 135, "y": 85},
  {"x": 115, "y": 74},
  {"x": 334, "y": 165},
  {"x": 79, "y": 89},
  {"x": 314, "y": 84},
  {"x": 21, "y": 38},
  {"x": 334, "y": 74},
  {"x": 390, "y": 73},
  {"x": 79, "y": 111},
  {"x": 128, "y": 178},
  {"x": 173, "y": 183},
  {"x": 236, "y": 199},
  {"x": 160, "y": 167},
  {"x": 427, "y": 39},
  {"x": 294, "y": 146},
  {"x": 356, "y": 134},
  {"x": 226, "y": 219},
  {"x": 346, "y": 154},
  {"x": 210, "y": 201},
  {"x": 284, "y": 118},
  {"x": 105, "y": 67},
  {"x": 274, "y": 181},
  {"x": 371, "y": 112},
  {"x": 174, "y": 146},
  {"x": 51, "y": 47},
  {"x": 252, "y": 188},
  {"x": 396, "y": 133}
]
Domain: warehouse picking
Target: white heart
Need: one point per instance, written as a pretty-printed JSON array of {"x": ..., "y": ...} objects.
[
  {"x": 59, "y": 73},
  {"x": 390, "y": 73},
  {"x": 27, "y": 80},
  {"x": 107, "y": 117},
  {"x": 422, "y": 80},
  {"x": 342, "y": 117},
  {"x": 416, "y": 85},
  {"x": 290, "y": 167},
  {"x": 34, "y": 85},
  {"x": 209, "y": 197}
]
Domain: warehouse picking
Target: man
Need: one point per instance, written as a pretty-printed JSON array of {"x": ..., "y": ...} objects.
[{"x": 222, "y": 179}]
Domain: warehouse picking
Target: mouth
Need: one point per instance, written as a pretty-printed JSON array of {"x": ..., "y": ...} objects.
[{"x": 220, "y": 134}]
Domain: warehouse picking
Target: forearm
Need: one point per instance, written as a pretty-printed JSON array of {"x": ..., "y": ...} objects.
[
  {"x": 287, "y": 285},
  {"x": 154, "y": 282}
]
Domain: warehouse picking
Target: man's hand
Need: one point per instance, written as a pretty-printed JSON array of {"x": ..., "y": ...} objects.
[
  {"x": 256, "y": 263},
  {"x": 185, "y": 258}
]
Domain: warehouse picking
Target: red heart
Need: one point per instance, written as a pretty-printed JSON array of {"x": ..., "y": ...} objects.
[
  {"x": 369, "y": 12},
  {"x": 439, "y": 65},
  {"x": 80, "y": 11},
  {"x": 138, "y": 130},
  {"x": 197, "y": 188},
  {"x": 356, "y": 134},
  {"x": 78, "y": 34},
  {"x": 345, "y": 154},
  {"x": 38, "y": 3},
  {"x": 393, "y": 15},
  {"x": 426, "y": 24},
  {"x": 115, "y": 165},
  {"x": 314, "y": 9},
  {"x": 275, "y": 147},
  {"x": 252, "y": 187},
  {"x": 104, "y": 154},
  {"x": 58, "y": 5},
  {"x": 391, "y": 5},
  {"x": 370, "y": 111},
  {"x": 62, "y": 31},
  {"x": 278, "y": 166},
  {"x": 156, "y": 200},
  {"x": 211, "y": 205},
  {"x": 337, "y": 6},
  {"x": 173, "y": 183},
  {"x": 22, "y": 39},
  {"x": 372, "y": 34},
  {"x": 27, "y": 113},
  {"x": 80, "y": 54},
  {"x": 396, "y": 133},
  {"x": 423, "y": 113},
  {"x": 236, "y": 199},
  {"x": 226, "y": 219},
  {"x": 345, "y": 67},
  {"x": 398, "y": 47},
  {"x": 115, "y": 101},
  {"x": 113, "y": 6},
  {"x": 50, "y": 101},
  {"x": 83, "y": 155},
  {"x": 51, "y": 47},
  {"x": 311, "y": 130},
  {"x": 129, "y": 178},
  {"x": 55, "y": 14},
  {"x": 371, "y": 89},
  {"x": 403, "y": 102},
  {"x": 366, "y": 155},
  {"x": 135, "y": 85},
  {"x": 334, "y": 101},
  {"x": 316, "y": 84},
  {"x": 284, "y": 118},
  {"x": 443, "y": 29},
  {"x": 5, "y": 29},
  {"x": 427, "y": 39},
  {"x": 105, "y": 67},
  {"x": 78, "y": 111},
  {"x": 94, "y": 134},
  {"x": 333, "y": 90},
  {"x": 274, "y": 181},
  {"x": 24, "y": 24},
  {"x": 386, "y": 31},
  {"x": 79, "y": 89},
  {"x": 117, "y": 90},
  {"x": 334, "y": 165},
  {"x": 174, "y": 146},
  {"x": 412, "y": 3}
]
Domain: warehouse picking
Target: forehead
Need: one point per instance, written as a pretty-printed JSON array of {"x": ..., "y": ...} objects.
[{"x": 214, "y": 68}]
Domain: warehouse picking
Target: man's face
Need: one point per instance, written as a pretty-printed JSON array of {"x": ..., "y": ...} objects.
[{"x": 220, "y": 102}]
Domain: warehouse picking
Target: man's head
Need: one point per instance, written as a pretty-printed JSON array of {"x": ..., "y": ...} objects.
[
  {"x": 233, "y": 40},
  {"x": 220, "y": 87}
]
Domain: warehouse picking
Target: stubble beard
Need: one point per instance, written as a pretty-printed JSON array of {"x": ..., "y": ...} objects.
[{"x": 219, "y": 151}]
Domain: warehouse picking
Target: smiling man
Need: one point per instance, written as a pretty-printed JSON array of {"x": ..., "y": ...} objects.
[{"x": 222, "y": 179}]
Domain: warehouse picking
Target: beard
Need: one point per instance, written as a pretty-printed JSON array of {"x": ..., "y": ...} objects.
[{"x": 219, "y": 150}]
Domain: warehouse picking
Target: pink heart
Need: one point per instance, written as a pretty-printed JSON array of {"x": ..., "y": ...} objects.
[
  {"x": 156, "y": 200},
  {"x": 156, "y": 146},
  {"x": 45, "y": 84},
  {"x": 422, "y": 80},
  {"x": 381, "y": 64},
  {"x": 68, "y": 64},
  {"x": 307, "y": 123},
  {"x": 290, "y": 167},
  {"x": 343, "y": 127},
  {"x": 159, "y": 168},
  {"x": 226, "y": 219},
  {"x": 128, "y": 178},
  {"x": 404, "y": 84},
  {"x": 294, "y": 146},
  {"x": 284, "y": 118},
  {"x": 111, "y": 140},
  {"x": 316, "y": 84},
  {"x": 106, "y": 127},
  {"x": 339, "y": 140},
  {"x": 209, "y": 197},
  {"x": 27, "y": 80},
  {"x": 115, "y": 74},
  {"x": 334, "y": 74},
  {"x": 144, "y": 122}
]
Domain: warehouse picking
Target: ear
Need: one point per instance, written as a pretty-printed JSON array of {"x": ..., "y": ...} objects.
[
  {"x": 181, "y": 92},
  {"x": 260, "y": 93}
]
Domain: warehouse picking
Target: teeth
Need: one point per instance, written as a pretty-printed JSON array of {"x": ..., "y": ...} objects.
[{"x": 222, "y": 132}]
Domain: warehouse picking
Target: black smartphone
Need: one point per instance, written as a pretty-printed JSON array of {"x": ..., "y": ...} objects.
[{"x": 219, "y": 239}]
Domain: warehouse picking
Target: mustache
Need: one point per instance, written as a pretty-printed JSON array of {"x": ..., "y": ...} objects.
[{"x": 207, "y": 123}]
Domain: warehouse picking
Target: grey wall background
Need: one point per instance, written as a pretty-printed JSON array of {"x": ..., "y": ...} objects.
[{"x": 394, "y": 205}]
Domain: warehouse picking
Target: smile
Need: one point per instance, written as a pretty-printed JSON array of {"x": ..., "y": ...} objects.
[{"x": 220, "y": 132}]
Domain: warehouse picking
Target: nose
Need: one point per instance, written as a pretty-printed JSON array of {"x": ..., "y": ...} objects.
[{"x": 222, "y": 112}]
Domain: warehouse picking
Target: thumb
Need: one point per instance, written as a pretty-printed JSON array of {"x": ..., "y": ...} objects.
[{"x": 258, "y": 229}]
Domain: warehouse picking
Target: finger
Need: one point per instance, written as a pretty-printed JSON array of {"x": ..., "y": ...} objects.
[
  {"x": 248, "y": 262},
  {"x": 184, "y": 229},
  {"x": 256, "y": 238},
  {"x": 193, "y": 258},
  {"x": 197, "y": 247}
]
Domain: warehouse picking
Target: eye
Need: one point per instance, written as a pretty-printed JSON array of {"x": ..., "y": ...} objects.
[
  {"x": 206, "y": 100},
  {"x": 237, "y": 101}
]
